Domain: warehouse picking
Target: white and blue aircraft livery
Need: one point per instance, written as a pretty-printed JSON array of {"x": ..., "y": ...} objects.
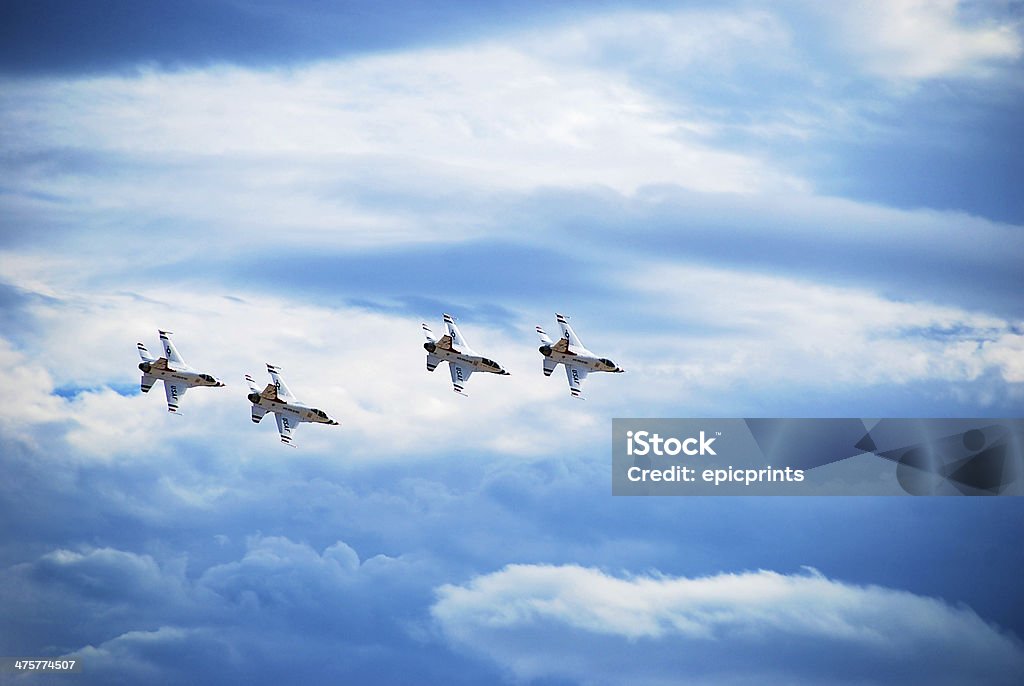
[
  {"x": 288, "y": 411},
  {"x": 570, "y": 351},
  {"x": 453, "y": 349},
  {"x": 177, "y": 376}
]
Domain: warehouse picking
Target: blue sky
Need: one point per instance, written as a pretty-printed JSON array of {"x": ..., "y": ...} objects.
[{"x": 758, "y": 209}]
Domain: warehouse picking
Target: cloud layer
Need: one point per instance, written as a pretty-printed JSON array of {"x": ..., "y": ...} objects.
[{"x": 581, "y": 624}]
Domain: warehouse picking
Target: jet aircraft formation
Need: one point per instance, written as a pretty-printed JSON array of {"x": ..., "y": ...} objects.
[{"x": 452, "y": 348}]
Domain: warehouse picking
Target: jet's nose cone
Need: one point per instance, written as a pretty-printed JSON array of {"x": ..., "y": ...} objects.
[{"x": 333, "y": 423}]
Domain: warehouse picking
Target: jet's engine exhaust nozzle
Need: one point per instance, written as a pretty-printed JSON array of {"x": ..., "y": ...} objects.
[
  {"x": 145, "y": 367},
  {"x": 545, "y": 350},
  {"x": 254, "y": 398},
  {"x": 430, "y": 346}
]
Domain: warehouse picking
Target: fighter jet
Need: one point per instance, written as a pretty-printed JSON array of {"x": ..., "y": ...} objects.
[
  {"x": 453, "y": 349},
  {"x": 177, "y": 376},
  {"x": 570, "y": 351},
  {"x": 288, "y": 411}
]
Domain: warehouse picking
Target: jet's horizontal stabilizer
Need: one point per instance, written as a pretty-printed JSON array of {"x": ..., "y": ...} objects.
[{"x": 144, "y": 354}]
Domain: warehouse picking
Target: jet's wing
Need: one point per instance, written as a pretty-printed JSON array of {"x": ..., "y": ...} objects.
[
  {"x": 568, "y": 335},
  {"x": 283, "y": 393},
  {"x": 575, "y": 375},
  {"x": 174, "y": 390},
  {"x": 147, "y": 382},
  {"x": 458, "y": 341},
  {"x": 174, "y": 359},
  {"x": 460, "y": 375},
  {"x": 287, "y": 423}
]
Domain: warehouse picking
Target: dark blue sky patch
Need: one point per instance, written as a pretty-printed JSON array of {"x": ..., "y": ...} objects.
[
  {"x": 13, "y": 298},
  {"x": 666, "y": 223},
  {"x": 427, "y": 275},
  {"x": 52, "y": 36},
  {"x": 955, "y": 332},
  {"x": 431, "y": 308},
  {"x": 71, "y": 392},
  {"x": 15, "y": 323},
  {"x": 952, "y": 146}
]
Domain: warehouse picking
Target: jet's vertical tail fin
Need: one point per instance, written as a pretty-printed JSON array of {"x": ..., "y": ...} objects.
[
  {"x": 458, "y": 341},
  {"x": 282, "y": 388},
  {"x": 174, "y": 358},
  {"x": 567, "y": 333}
]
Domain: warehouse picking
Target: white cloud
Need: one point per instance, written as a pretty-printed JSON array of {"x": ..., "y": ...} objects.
[
  {"x": 495, "y": 115},
  {"x": 133, "y": 589},
  {"x": 720, "y": 329},
  {"x": 794, "y": 332},
  {"x": 417, "y": 146},
  {"x": 111, "y": 575},
  {"x": 129, "y": 616},
  {"x": 922, "y": 39},
  {"x": 713, "y": 41},
  {"x": 1007, "y": 352},
  {"x": 277, "y": 153},
  {"x": 34, "y": 403},
  {"x": 366, "y": 369},
  {"x": 585, "y": 625},
  {"x": 232, "y": 159}
]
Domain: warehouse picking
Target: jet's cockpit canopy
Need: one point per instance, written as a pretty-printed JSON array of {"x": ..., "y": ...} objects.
[
  {"x": 490, "y": 363},
  {"x": 605, "y": 360},
  {"x": 207, "y": 378},
  {"x": 319, "y": 413}
]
